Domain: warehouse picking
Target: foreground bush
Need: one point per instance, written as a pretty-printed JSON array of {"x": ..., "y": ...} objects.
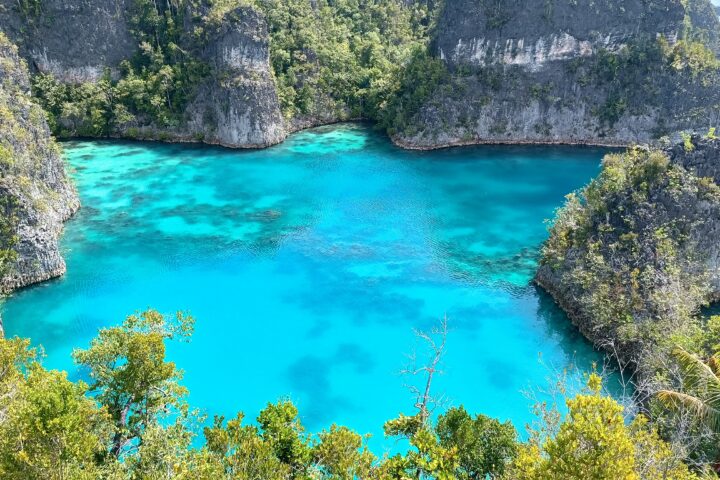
[{"x": 133, "y": 422}]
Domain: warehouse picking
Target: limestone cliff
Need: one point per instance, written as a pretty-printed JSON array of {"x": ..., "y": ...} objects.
[
  {"x": 238, "y": 105},
  {"x": 585, "y": 71},
  {"x": 80, "y": 41},
  {"x": 35, "y": 193},
  {"x": 634, "y": 255},
  {"x": 75, "y": 41}
]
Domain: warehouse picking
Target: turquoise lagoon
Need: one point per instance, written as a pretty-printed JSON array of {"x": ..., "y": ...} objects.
[{"x": 308, "y": 265}]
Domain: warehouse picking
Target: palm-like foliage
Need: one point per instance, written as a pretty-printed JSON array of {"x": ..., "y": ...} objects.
[{"x": 701, "y": 385}]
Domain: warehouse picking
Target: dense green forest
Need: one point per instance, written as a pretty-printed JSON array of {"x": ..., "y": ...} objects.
[
  {"x": 331, "y": 60},
  {"x": 132, "y": 421},
  {"x": 358, "y": 50}
]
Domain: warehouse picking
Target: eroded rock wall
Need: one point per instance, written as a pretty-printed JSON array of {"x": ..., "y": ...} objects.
[
  {"x": 79, "y": 40},
  {"x": 74, "y": 40},
  {"x": 530, "y": 33},
  {"x": 36, "y": 195},
  {"x": 584, "y": 71}
]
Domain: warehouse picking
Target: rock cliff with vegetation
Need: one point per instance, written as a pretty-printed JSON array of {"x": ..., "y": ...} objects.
[
  {"x": 634, "y": 255},
  {"x": 581, "y": 71},
  {"x": 183, "y": 71},
  {"x": 241, "y": 73},
  {"x": 35, "y": 194},
  {"x": 245, "y": 73},
  {"x": 237, "y": 104}
]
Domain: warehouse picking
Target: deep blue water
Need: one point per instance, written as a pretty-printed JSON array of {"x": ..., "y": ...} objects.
[{"x": 307, "y": 266}]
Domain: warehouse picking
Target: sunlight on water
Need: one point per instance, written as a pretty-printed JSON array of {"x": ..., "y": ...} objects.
[{"x": 307, "y": 266}]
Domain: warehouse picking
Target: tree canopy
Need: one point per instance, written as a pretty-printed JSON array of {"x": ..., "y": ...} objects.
[{"x": 132, "y": 421}]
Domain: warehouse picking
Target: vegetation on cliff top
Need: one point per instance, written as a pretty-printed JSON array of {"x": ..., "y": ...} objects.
[{"x": 622, "y": 247}]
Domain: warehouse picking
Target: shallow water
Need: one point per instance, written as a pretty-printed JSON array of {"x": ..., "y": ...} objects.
[{"x": 307, "y": 266}]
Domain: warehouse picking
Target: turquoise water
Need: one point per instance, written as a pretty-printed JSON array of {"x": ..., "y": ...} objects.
[{"x": 309, "y": 264}]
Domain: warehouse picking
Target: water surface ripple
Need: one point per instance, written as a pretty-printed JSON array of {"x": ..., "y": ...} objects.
[{"x": 307, "y": 266}]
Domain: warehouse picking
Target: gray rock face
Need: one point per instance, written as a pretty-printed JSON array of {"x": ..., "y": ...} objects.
[
  {"x": 74, "y": 40},
  {"x": 524, "y": 71},
  {"x": 34, "y": 188},
  {"x": 530, "y": 33},
  {"x": 238, "y": 106},
  {"x": 77, "y": 40},
  {"x": 704, "y": 161}
]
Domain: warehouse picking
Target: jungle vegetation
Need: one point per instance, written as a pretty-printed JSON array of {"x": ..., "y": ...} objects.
[
  {"x": 132, "y": 421},
  {"x": 331, "y": 60}
]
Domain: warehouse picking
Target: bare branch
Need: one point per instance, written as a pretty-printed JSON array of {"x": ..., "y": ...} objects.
[{"x": 435, "y": 340}]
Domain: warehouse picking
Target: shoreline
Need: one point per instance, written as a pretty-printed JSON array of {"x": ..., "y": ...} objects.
[
  {"x": 191, "y": 139},
  {"x": 188, "y": 139},
  {"x": 479, "y": 142}
]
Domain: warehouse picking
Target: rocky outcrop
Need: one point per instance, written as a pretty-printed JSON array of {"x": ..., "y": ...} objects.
[
  {"x": 236, "y": 105},
  {"x": 75, "y": 41},
  {"x": 635, "y": 256},
  {"x": 578, "y": 72},
  {"x": 35, "y": 194},
  {"x": 531, "y": 34}
]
